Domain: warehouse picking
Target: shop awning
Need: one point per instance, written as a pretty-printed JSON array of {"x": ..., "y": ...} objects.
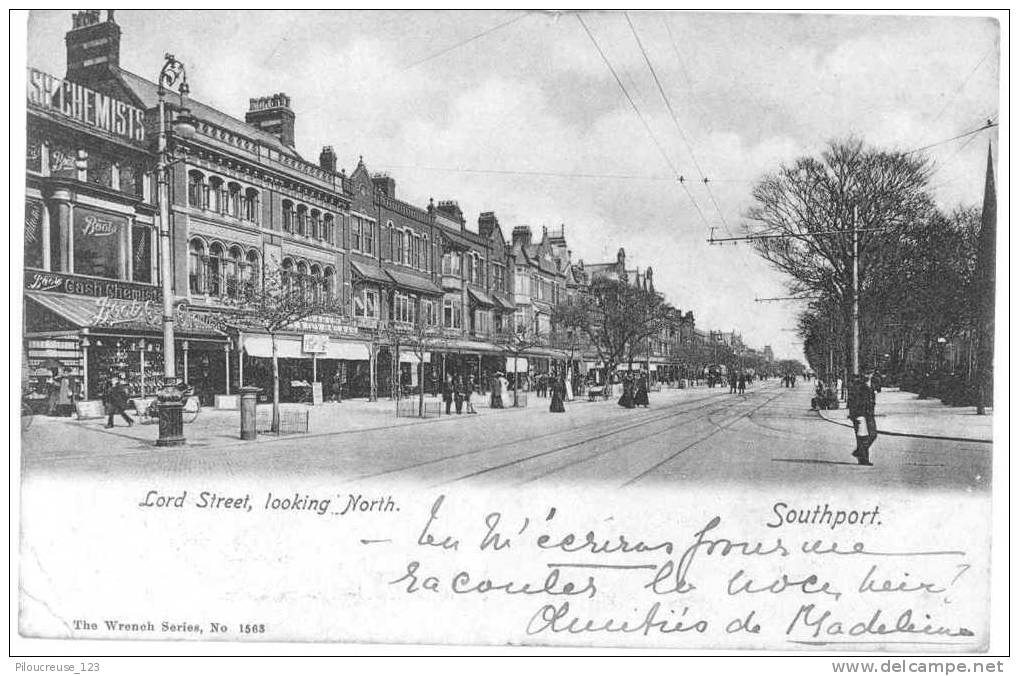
[
  {"x": 480, "y": 297},
  {"x": 116, "y": 316},
  {"x": 414, "y": 282},
  {"x": 344, "y": 349},
  {"x": 411, "y": 358},
  {"x": 286, "y": 347},
  {"x": 370, "y": 273}
]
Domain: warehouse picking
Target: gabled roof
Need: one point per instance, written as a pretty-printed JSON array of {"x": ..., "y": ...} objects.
[{"x": 148, "y": 94}]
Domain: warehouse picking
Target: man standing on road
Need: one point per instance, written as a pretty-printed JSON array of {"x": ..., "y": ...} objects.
[
  {"x": 116, "y": 402},
  {"x": 860, "y": 401}
]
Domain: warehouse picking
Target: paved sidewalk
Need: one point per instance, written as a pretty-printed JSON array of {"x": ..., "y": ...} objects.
[
  {"x": 905, "y": 414},
  {"x": 222, "y": 428}
]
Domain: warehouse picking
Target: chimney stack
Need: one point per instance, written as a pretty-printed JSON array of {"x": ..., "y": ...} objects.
[
  {"x": 487, "y": 223},
  {"x": 273, "y": 115},
  {"x": 327, "y": 159},
  {"x": 522, "y": 234},
  {"x": 386, "y": 184},
  {"x": 93, "y": 46}
]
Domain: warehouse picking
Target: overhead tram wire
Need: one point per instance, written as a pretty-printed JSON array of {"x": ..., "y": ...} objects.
[
  {"x": 675, "y": 120},
  {"x": 644, "y": 121},
  {"x": 962, "y": 84},
  {"x": 986, "y": 126},
  {"x": 465, "y": 42}
]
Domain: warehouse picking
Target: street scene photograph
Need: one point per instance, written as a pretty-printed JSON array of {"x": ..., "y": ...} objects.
[
  {"x": 612, "y": 329},
  {"x": 555, "y": 250}
]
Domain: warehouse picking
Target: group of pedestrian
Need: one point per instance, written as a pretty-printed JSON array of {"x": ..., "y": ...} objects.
[
  {"x": 738, "y": 382},
  {"x": 456, "y": 392},
  {"x": 635, "y": 391},
  {"x": 789, "y": 380}
]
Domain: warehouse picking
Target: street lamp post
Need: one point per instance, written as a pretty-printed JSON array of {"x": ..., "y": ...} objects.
[{"x": 171, "y": 422}]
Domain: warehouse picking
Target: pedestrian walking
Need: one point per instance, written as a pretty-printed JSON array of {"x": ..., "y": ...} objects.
[
  {"x": 468, "y": 391},
  {"x": 741, "y": 384},
  {"x": 504, "y": 389},
  {"x": 447, "y": 393},
  {"x": 626, "y": 400},
  {"x": 115, "y": 399},
  {"x": 640, "y": 396},
  {"x": 458, "y": 394},
  {"x": 732, "y": 382},
  {"x": 557, "y": 388},
  {"x": 497, "y": 390},
  {"x": 861, "y": 411}
]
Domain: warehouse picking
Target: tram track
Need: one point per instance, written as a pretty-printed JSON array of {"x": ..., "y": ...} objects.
[
  {"x": 632, "y": 424},
  {"x": 714, "y": 400}
]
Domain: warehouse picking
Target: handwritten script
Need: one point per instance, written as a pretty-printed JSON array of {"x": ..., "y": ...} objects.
[{"x": 703, "y": 579}]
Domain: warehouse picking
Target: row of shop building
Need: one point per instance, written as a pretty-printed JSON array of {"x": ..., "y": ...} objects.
[{"x": 242, "y": 200}]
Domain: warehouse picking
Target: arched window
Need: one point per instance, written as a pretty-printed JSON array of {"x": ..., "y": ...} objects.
[
  {"x": 252, "y": 270},
  {"x": 328, "y": 283},
  {"x": 233, "y": 205},
  {"x": 234, "y": 265},
  {"x": 303, "y": 283},
  {"x": 216, "y": 269},
  {"x": 316, "y": 224},
  {"x": 289, "y": 216},
  {"x": 302, "y": 220},
  {"x": 196, "y": 267},
  {"x": 197, "y": 190},
  {"x": 251, "y": 205},
  {"x": 288, "y": 275},
  {"x": 328, "y": 228},
  {"x": 215, "y": 194},
  {"x": 316, "y": 282}
]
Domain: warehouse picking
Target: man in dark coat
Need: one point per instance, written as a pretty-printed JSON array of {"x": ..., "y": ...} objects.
[
  {"x": 447, "y": 393},
  {"x": 860, "y": 402},
  {"x": 115, "y": 399}
]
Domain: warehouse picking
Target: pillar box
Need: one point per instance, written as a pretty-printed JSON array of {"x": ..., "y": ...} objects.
[{"x": 249, "y": 401}]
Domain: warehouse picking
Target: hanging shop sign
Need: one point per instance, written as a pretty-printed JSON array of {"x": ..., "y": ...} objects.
[
  {"x": 85, "y": 105},
  {"x": 111, "y": 312},
  {"x": 315, "y": 343},
  {"x": 38, "y": 280}
]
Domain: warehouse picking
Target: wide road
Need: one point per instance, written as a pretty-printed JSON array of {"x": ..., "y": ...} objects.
[{"x": 701, "y": 436}]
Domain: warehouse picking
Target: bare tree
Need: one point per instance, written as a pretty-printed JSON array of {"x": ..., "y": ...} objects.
[
  {"x": 279, "y": 301},
  {"x": 616, "y": 318},
  {"x": 514, "y": 344},
  {"x": 420, "y": 338}
]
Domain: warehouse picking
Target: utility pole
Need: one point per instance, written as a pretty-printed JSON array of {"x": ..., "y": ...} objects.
[{"x": 856, "y": 295}]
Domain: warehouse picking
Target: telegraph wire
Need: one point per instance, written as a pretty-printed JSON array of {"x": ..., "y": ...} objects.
[
  {"x": 962, "y": 84},
  {"x": 651, "y": 133},
  {"x": 988, "y": 125},
  {"x": 464, "y": 42},
  {"x": 675, "y": 120}
]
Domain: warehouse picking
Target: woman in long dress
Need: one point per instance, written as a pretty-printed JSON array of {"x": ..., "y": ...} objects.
[
  {"x": 558, "y": 392},
  {"x": 641, "y": 398},
  {"x": 496, "y": 391},
  {"x": 626, "y": 400}
]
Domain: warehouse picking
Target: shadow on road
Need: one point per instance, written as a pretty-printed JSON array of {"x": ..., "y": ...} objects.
[{"x": 814, "y": 462}]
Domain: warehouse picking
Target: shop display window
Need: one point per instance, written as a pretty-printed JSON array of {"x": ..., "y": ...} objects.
[{"x": 97, "y": 243}]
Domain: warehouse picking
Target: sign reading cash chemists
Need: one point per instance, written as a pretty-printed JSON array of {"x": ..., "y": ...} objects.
[{"x": 85, "y": 105}]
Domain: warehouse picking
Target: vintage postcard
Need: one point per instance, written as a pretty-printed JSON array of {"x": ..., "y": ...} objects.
[{"x": 591, "y": 329}]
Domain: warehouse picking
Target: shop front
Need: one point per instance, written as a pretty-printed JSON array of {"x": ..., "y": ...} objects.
[
  {"x": 313, "y": 367},
  {"x": 92, "y": 339}
]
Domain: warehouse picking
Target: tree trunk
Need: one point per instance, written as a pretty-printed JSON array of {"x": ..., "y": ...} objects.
[
  {"x": 275, "y": 386},
  {"x": 421, "y": 384},
  {"x": 373, "y": 363}
]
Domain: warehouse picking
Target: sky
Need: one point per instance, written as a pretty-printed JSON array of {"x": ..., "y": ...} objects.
[{"x": 471, "y": 105}]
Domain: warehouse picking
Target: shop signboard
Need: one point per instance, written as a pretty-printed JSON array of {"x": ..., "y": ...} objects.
[
  {"x": 85, "y": 105},
  {"x": 81, "y": 285},
  {"x": 315, "y": 343},
  {"x": 111, "y": 312}
]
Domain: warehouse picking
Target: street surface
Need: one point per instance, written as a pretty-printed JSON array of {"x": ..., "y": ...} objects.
[{"x": 693, "y": 437}]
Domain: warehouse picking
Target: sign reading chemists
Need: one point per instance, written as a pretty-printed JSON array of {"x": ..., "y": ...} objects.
[{"x": 85, "y": 105}]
